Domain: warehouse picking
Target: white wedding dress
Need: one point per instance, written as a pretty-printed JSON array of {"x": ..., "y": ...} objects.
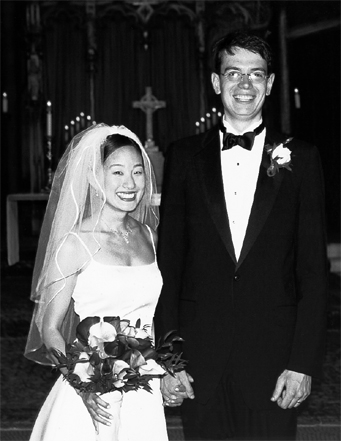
[{"x": 130, "y": 292}]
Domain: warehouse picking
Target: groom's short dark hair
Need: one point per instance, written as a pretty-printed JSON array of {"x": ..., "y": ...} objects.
[{"x": 243, "y": 40}]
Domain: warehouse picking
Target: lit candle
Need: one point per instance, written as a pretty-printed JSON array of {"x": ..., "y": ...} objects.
[
  {"x": 82, "y": 120},
  {"x": 78, "y": 124},
  {"x": 197, "y": 128},
  {"x": 94, "y": 123},
  {"x": 202, "y": 124},
  {"x": 88, "y": 121},
  {"x": 72, "y": 129},
  {"x": 219, "y": 115},
  {"x": 208, "y": 121},
  {"x": 214, "y": 116},
  {"x": 49, "y": 119},
  {"x": 4, "y": 102},
  {"x": 66, "y": 134},
  {"x": 297, "y": 99}
]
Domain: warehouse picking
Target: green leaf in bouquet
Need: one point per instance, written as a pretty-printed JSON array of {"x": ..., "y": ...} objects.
[
  {"x": 144, "y": 343},
  {"x": 149, "y": 354},
  {"x": 132, "y": 342},
  {"x": 130, "y": 374}
]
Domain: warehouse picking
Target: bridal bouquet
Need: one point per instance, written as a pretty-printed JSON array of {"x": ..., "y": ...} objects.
[{"x": 109, "y": 354}]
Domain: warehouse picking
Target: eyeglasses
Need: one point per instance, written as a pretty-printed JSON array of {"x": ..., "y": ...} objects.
[{"x": 234, "y": 76}]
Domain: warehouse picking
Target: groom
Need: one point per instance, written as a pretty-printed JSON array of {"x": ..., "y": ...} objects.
[{"x": 243, "y": 258}]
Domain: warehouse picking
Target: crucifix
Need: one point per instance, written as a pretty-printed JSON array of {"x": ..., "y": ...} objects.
[{"x": 148, "y": 104}]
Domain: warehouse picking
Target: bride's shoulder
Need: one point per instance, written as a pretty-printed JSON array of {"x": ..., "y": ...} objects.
[
  {"x": 74, "y": 250},
  {"x": 147, "y": 232}
]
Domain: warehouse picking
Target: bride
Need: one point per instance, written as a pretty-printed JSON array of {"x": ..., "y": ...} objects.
[{"x": 96, "y": 258}]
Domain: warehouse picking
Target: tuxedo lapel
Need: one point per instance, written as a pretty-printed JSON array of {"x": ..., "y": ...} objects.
[
  {"x": 208, "y": 165},
  {"x": 265, "y": 196}
]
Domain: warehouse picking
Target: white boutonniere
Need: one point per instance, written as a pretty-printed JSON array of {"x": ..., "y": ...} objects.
[{"x": 280, "y": 157}]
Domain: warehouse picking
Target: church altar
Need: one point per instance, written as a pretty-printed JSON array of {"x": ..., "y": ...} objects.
[{"x": 12, "y": 221}]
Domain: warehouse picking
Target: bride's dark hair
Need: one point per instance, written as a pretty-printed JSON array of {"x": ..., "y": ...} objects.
[{"x": 116, "y": 141}]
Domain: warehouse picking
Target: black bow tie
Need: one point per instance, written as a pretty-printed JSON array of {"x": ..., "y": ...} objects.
[{"x": 246, "y": 140}]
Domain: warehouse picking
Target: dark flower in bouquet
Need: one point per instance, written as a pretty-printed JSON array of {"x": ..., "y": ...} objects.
[{"x": 109, "y": 354}]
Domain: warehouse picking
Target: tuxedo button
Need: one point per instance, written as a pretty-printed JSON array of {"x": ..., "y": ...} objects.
[{"x": 236, "y": 277}]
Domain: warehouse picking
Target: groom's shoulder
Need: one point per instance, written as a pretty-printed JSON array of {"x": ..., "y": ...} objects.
[
  {"x": 294, "y": 143},
  {"x": 190, "y": 145}
]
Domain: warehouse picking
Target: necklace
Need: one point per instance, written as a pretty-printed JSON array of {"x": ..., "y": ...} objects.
[{"x": 123, "y": 234}]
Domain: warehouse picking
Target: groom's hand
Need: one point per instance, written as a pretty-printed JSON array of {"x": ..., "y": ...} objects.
[
  {"x": 176, "y": 389},
  {"x": 96, "y": 406},
  {"x": 292, "y": 388}
]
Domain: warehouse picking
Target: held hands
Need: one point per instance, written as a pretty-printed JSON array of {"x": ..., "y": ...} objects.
[
  {"x": 176, "y": 389},
  {"x": 292, "y": 388},
  {"x": 95, "y": 406}
]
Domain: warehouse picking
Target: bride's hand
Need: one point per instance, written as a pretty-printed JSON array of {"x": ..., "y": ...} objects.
[
  {"x": 176, "y": 389},
  {"x": 96, "y": 406}
]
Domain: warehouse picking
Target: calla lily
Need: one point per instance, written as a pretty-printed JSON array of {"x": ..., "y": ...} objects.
[
  {"x": 151, "y": 368},
  {"x": 142, "y": 333},
  {"x": 281, "y": 154},
  {"x": 82, "y": 330},
  {"x": 119, "y": 370},
  {"x": 128, "y": 331},
  {"x": 136, "y": 359},
  {"x": 83, "y": 370},
  {"x": 99, "y": 333},
  {"x": 280, "y": 157}
]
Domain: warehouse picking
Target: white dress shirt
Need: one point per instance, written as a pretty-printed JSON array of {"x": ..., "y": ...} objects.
[{"x": 240, "y": 169}]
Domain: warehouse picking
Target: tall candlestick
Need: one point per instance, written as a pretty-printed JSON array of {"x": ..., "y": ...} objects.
[
  {"x": 208, "y": 121},
  {"x": 72, "y": 128},
  {"x": 297, "y": 99},
  {"x": 32, "y": 17},
  {"x": 49, "y": 119},
  {"x": 38, "y": 14},
  {"x": 4, "y": 103},
  {"x": 214, "y": 116},
  {"x": 82, "y": 120},
  {"x": 78, "y": 124},
  {"x": 202, "y": 124},
  {"x": 66, "y": 134}
]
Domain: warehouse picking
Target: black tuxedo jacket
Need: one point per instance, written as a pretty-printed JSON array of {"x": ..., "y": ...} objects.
[{"x": 265, "y": 312}]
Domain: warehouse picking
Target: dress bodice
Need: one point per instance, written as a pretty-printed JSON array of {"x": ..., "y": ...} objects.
[{"x": 130, "y": 292}]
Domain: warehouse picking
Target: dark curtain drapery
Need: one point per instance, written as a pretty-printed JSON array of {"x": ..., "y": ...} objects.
[
  {"x": 124, "y": 68},
  {"x": 66, "y": 75},
  {"x": 168, "y": 65}
]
